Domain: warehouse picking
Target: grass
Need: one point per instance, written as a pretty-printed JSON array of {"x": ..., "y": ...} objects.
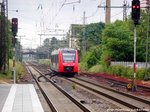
[
  {"x": 44, "y": 62},
  {"x": 8, "y": 75},
  {"x": 96, "y": 69},
  {"x": 122, "y": 71}
]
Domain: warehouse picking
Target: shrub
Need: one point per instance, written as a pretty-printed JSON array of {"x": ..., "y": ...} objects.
[
  {"x": 83, "y": 66},
  {"x": 126, "y": 72},
  {"x": 117, "y": 70},
  {"x": 121, "y": 71},
  {"x": 19, "y": 69},
  {"x": 91, "y": 61},
  {"x": 92, "y": 57},
  {"x": 44, "y": 62},
  {"x": 129, "y": 73},
  {"x": 140, "y": 73},
  {"x": 97, "y": 68},
  {"x": 106, "y": 58}
]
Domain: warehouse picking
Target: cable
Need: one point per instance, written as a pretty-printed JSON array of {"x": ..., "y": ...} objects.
[
  {"x": 116, "y": 14},
  {"x": 58, "y": 12},
  {"x": 93, "y": 14}
]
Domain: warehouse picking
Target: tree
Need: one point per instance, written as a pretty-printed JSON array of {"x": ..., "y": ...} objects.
[
  {"x": 46, "y": 42},
  {"x": 92, "y": 57},
  {"x": 54, "y": 43},
  {"x": 118, "y": 38},
  {"x": 7, "y": 42},
  {"x": 117, "y": 42},
  {"x": 48, "y": 46},
  {"x": 92, "y": 34}
]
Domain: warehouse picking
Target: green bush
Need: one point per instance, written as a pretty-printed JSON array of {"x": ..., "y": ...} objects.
[
  {"x": 118, "y": 70},
  {"x": 92, "y": 57},
  {"x": 91, "y": 61},
  {"x": 9, "y": 74},
  {"x": 129, "y": 72},
  {"x": 126, "y": 72},
  {"x": 44, "y": 62},
  {"x": 19, "y": 69},
  {"x": 121, "y": 71},
  {"x": 97, "y": 68},
  {"x": 105, "y": 58},
  {"x": 140, "y": 73},
  {"x": 83, "y": 66}
]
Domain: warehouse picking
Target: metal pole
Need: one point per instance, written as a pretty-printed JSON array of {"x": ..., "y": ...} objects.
[
  {"x": 14, "y": 66},
  {"x": 40, "y": 40},
  {"x": 147, "y": 45},
  {"x": 125, "y": 10},
  {"x": 134, "y": 86},
  {"x": 7, "y": 45},
  {"x": 84, "y": 41},
  {"x": 70, "y": 36},
  {"x": 14, "y": 60},
  {"x": 20, "y": 57},
  {"x": 1, "y": 51}
]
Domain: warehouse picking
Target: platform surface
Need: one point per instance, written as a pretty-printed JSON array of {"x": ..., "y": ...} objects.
[{"x": 19, "y": 98}]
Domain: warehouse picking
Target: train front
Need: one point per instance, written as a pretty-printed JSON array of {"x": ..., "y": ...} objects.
[{"x": 69, "y": 61}]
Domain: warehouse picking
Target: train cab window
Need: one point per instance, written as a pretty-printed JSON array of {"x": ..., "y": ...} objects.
[{"x": 68, "y": 56}]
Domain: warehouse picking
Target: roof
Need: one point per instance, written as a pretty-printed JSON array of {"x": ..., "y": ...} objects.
[{"x": 60, "y": 49}]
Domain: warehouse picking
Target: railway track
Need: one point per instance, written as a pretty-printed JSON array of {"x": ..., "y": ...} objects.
[
  {"x": 57, "y": 99},
  {"x": 128, "y": 100},
  {"x": 116, "y": 82}
]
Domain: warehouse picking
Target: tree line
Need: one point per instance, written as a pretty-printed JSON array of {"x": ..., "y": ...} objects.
[{"x": 114, "y": 41}]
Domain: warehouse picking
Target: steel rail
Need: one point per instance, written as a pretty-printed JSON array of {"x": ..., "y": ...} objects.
[
  {"x": 42, "y": 91},
  {"x": 111, "y": 97},
  {"x": 64, "y": 92},
  {"x": 119, "y": 92},
  {"x": 121, "y": 82},
  {"x": 132, "y": 106}
]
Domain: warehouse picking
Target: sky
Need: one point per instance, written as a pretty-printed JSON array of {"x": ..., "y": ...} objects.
[{"x": 48, "y": 16}]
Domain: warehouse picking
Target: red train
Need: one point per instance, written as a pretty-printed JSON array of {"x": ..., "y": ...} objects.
[{"x": 64, "y": 61}]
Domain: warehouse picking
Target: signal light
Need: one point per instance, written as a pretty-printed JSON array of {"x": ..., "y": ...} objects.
[
  {"x": 136, "y": 11},
  {"x": 133, "y": 7},
  {"x": 14, "y": 26}
]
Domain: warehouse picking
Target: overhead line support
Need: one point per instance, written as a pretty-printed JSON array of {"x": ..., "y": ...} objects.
[{"x": 117, "y": 7}]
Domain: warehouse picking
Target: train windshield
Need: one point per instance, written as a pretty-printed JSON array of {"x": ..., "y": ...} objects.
[{"x": 68, "y": 56}]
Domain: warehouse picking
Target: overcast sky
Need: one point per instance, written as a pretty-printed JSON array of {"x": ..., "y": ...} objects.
[{"x": 43, "y": 16}]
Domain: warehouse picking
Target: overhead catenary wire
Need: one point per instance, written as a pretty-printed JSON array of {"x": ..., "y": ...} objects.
[
  {"x": 93, "y": 14},
  {"x": 63, "y": 4},
  {"x": 42, "y": 22},
  {"x": 58, "y": 12},
  {"x": 117, "y": 14}
]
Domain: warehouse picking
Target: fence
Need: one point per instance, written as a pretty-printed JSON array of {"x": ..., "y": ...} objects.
[{"x": 130, "y": 64}]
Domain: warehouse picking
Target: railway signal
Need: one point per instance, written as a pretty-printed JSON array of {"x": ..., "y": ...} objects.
[
  {"x": 14, "y": 29},
  {"x": 135, "y": 11},
  {"x": 135, "y": 17},
  {"x": 14, "y": 26}
]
